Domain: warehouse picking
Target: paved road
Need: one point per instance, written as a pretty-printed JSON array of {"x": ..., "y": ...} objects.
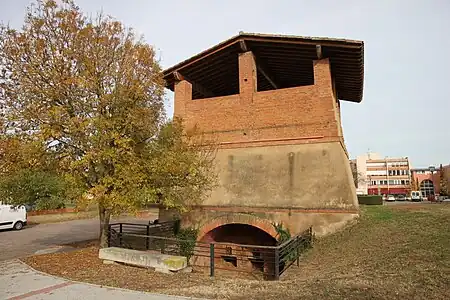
[
  {"x": 407, "y": 203},
  {"x": 16, "y": 244},
  {"x": 18, "y": 281}
]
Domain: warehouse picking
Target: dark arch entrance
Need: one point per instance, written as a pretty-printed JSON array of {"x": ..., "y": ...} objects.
[
  {"x": 239, "y": 234},
  {"x": 427, "y": 187},
  {"x": 234, "y": 248}
]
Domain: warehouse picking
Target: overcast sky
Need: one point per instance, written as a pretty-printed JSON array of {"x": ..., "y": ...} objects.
[{"x": 406, "y": 104}]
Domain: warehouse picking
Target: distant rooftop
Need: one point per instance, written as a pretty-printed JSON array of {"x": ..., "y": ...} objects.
[
  {"x": 283, "y": 61},
  {"x": 390, "y": 159}
]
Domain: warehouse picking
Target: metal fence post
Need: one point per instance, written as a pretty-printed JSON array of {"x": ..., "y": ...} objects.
[
  {"x": 147, "y": 242},
  {"x": 297, "y": 244},
  {"x": 211, "y": 260},
  {"x": 277, "y": 263},
  {"x": 163, "y": 246},
  {"x": 120, "y": 235},
  {"x": 109, "y": 235}
]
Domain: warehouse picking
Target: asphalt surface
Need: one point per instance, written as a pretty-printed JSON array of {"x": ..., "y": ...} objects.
[
  {"x": 36, "y": 238},
  {"x": 406, "y": 202}
]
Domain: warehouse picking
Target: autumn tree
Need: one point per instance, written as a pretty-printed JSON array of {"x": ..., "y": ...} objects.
[
  {"x": 443, "y": 182},
  {"x": 358, "y": 177},
  {"x": 91, "y": 94}
]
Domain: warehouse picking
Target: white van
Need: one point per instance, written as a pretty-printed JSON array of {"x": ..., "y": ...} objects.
[
  {"x": 416, "y": 196},
  {"x": 12, "y": 217}
]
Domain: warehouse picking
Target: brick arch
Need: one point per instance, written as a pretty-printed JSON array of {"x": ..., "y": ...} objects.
[{"x": 247, "y": 219}]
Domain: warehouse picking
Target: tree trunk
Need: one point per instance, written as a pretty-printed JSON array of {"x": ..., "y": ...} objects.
[{"x": 105, "y": 216}]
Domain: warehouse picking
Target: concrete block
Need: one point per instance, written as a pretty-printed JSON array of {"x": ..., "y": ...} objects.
[{"x": 160, "y": 262}]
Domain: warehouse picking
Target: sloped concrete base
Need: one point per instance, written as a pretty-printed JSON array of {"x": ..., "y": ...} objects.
[{"x": 161, "y": 262}]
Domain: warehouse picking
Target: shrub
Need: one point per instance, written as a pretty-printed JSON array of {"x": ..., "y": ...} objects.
[
  {"x": 188, "y": 238},
  {"x": 370, "y": 199},
  {"x": 51, "y": 202},
  {"x": 38, "y": 189},
  {"x": 283, "y": 234}
]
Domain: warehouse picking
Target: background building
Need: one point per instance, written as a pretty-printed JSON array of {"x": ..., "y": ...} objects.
[
  {"x": 378, "y": 175},
  {"x": 428, "y": 180}
]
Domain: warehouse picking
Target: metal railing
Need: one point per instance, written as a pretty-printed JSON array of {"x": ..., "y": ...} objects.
[
  {"x": 268, "y": 261},
  {"x": 124, "y": 234}
]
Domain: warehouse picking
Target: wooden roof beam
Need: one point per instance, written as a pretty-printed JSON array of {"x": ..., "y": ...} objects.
[
  {"x": 263, "y": 70},
  {"x": 243, "y": 46},
  {"x": 319, "y": 51},
  {"x": 195, "y": 85}
]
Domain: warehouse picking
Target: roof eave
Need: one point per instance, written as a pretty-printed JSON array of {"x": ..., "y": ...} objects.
[
  {"x": 324, "y": 41},
  {"x": 259, "y": 36}
]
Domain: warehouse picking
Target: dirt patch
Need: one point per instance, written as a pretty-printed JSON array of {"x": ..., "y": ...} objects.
[{"x": 390, "y": 254}]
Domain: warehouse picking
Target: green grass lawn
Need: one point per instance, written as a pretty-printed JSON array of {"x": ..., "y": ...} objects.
[
  {"x": 55, "y": 218},
  {"x": 393, "y": 252}
]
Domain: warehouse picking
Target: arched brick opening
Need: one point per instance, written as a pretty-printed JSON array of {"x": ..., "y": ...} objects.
[
  {"x": 230, "y": 231},
  {"x": 243, "y": 219}
]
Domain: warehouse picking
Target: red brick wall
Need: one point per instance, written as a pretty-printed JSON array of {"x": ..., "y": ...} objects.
[
  {"x": 446, "y": 170},
  {"x": 295, "y": 114},
  {"x": 52, "y": 211}
]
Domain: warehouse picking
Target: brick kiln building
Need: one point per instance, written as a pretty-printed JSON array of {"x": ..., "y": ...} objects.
[{"x": 273, "y": 104}]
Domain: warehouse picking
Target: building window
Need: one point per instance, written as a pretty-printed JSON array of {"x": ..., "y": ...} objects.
[
  {"x": 403, "y": 182},
  {"x": 427, "y": 187}
]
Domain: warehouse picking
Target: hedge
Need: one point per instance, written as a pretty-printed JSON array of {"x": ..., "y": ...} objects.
[{"x": 370, "y": 199}]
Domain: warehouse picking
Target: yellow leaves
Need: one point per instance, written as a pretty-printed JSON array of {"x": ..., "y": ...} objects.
[
  {"x": 95, "y": 91},
  {"x": 50, "y": 4},
  {"x": 40, "y": 45},
  {"x": 19, "y": 154}
]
